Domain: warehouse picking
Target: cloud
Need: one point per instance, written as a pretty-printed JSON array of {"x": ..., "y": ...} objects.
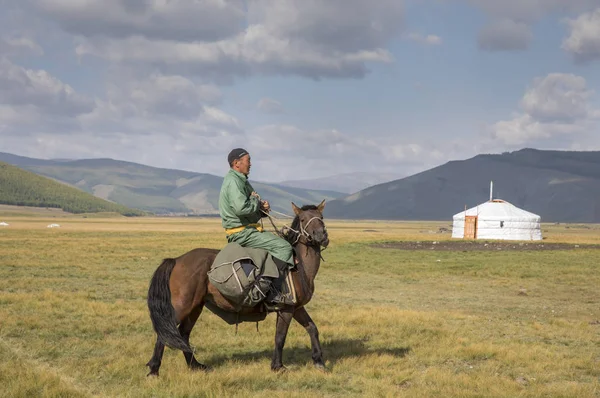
[
  {"x": 346, "y": 26},
  {"x": 510, "y": 28},
  {"x": 170, "y": 105},
  {"x": 504, "y": 35},
  {"x": 221, "y": 40},
  {"x": 268, "y": 105},
  {"x": 431, "y": 40},
  {"x": 158, "y": 94},
  {"x": 557, "y": 97},
  {"x": 556, "y": 109},
  {"x": 526, "y": 130},
  {"x": 529, "y": 11},
  {"x": 180, "y": 20},
  {"x": 37, "y": 89},
  {"x": 18, "y": 46},
  {"x": 583, "y": 41},
  {"x": 309, "y": 38},
  {"x": 253, "y": 52}
]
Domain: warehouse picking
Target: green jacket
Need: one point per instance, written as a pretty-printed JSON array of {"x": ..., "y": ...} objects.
[{"x": 236, "y": 206}]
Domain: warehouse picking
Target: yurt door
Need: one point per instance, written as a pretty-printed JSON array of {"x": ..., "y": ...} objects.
[{"x": 470, "y": 227}]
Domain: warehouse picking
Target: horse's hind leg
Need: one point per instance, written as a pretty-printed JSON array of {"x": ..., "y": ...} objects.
[
  {"x": 304, "y": 319},
  {"x": 185, "y": 328},
  {"x": 154, "y": 363}
]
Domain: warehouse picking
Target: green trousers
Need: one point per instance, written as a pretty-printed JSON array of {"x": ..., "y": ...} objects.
[{"x": 275, "y": 245}]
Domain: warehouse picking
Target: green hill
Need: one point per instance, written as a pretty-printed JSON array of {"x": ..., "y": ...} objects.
[{"x": 23, "y": 188}]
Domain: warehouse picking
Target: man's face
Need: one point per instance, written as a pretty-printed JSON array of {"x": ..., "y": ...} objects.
[{"x": 243, "y": 164}]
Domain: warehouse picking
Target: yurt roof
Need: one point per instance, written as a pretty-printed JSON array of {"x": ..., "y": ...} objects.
[{"x": 498, "y": 209}]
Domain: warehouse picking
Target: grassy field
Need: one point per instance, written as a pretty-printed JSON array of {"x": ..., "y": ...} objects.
[{"x": 413, "y": 323}]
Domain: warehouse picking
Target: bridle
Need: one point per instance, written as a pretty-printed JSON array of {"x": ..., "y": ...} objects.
[
  {"x": 299, "y": 234},
  {"x": 304, "y": 232}
]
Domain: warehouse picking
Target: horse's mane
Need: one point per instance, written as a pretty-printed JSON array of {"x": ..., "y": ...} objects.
[{"x": 292, "y": 236}]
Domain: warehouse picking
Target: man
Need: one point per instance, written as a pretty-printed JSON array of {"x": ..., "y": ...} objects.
[{"x": 240, "y": 209}]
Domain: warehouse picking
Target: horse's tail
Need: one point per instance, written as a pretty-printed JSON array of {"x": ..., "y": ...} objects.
[{"x": 162, "y": 313}]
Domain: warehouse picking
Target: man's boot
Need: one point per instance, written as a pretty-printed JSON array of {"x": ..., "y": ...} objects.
[{"x": 276, "y": 300}]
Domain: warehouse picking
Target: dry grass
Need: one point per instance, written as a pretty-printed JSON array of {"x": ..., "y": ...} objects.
[{"x": 73, "y": 320}]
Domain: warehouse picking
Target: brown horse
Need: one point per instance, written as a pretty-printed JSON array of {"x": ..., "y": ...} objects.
[{"x": 180, "y": 289}]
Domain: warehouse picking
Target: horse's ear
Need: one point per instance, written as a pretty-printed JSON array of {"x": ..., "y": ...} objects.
[
  {"x": 321, "y": 206},
  {"x": 296, "y": 209}
]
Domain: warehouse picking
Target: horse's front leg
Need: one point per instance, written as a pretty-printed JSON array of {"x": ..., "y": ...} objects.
[
  {"x": 302, "y": 317},
  {"x": 283, "y": 323}
]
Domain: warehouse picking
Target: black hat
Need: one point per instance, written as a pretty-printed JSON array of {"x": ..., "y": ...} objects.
[{"x": 235, "y": 154}]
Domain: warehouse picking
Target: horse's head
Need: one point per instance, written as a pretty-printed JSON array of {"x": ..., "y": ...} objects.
[{"x": 310, "y": 224}]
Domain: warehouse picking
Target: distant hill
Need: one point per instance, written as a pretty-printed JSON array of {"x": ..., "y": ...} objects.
[
  {"x": 158, "y": 190},
  {"x": 23, "y": 188},
  {"x": 560, "y": 186},
  {"x": 347, "y": 183}
]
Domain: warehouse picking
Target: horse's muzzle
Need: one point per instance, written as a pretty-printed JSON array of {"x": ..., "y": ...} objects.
[
  {"x": 324, "y": 241},
  {"x": 319, "y": 238}
]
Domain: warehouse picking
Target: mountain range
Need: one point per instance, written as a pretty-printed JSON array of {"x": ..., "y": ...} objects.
[
  {"x": 560, "y": 186},
  {"x": 157, "y": 190}
]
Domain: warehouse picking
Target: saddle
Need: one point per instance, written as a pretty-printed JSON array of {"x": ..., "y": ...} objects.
[{"x": 244, "y": 275}]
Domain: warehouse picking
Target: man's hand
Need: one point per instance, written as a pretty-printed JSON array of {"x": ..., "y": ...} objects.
[
  {"x": 264, "y": 205},
  {"x": 255, "y": 194}
]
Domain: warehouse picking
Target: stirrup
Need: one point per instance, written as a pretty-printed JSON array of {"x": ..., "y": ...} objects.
[{"x": 277, "y": 300}]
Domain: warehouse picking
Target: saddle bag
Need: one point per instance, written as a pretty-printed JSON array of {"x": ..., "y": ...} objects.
[{"x": 238, "y": 272}]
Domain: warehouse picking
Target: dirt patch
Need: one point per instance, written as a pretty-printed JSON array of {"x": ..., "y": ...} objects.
[{"x": 466, "y": 246}]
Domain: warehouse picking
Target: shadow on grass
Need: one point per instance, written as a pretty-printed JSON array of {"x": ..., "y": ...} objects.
[{"x": 333, "y": 351}]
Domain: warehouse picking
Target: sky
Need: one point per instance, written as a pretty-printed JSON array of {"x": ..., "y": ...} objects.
[{"x": 310, "y": 88}]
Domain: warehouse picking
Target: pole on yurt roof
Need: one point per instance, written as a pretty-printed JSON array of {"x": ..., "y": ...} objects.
[{"x": 491, "y": 189}]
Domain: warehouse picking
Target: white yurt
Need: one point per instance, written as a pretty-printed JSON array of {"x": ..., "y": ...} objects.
[{"x": 496, "y": 219}]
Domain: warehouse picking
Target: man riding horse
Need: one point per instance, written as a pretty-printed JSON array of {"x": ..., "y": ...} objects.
[{"x": 241, "y": 209}]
